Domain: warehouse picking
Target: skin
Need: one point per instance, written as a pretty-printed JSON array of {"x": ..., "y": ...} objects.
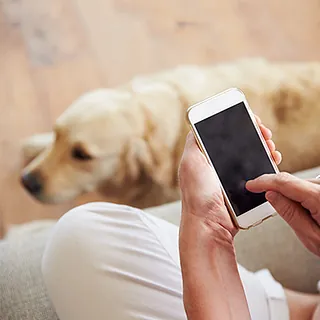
[
  {"x": 208, "y": 261},
  {"x": 298, "y": 203}
]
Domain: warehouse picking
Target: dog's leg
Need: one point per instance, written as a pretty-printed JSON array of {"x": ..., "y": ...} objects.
[{"x": 33, "y": 146}]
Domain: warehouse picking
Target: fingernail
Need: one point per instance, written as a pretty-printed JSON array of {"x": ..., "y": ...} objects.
[{"x": 271, "y": 196}]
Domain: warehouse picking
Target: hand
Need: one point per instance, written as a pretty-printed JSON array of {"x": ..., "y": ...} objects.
[
  {"x": 202, "y": 199},
  {"x": 267, "y": 134},
  {"x": 212, "y": 287},
  {"x": 297, "y": 201}
]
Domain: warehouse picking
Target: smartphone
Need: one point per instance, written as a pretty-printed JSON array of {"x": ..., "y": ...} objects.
[{"x": 228, "y": 135}]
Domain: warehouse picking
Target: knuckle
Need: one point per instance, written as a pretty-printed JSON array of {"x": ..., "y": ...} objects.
[
  {"x": 284, "y": 175},
  {"x": 283, "y": 178},
  {"x": 312, "y": 202},
  {"x": 263, "y": 177}
]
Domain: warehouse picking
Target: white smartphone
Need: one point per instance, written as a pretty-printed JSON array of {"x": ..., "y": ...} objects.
[{"x": 228, "y": 135}]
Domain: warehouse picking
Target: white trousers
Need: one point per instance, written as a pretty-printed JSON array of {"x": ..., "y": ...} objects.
[{"x": 106, "y": 261}]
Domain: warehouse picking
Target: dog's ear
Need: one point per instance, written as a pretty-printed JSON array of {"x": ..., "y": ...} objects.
[
  {"x": 153, "y": 152},
  {"x": 157, "y": 151},
  {"x": 135, "y": 158},
  {"x": 144, "y": 157}
]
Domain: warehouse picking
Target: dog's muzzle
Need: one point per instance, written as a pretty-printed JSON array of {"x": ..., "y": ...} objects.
[{"x": 33, "y": 182}]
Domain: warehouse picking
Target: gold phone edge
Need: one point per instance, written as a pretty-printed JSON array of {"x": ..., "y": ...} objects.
[{"x": 230, "y": 209}]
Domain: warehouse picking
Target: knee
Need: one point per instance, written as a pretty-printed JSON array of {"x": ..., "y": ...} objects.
[
  {"x": 66, "y": 245},
  {"x": 72, "y": 247}
]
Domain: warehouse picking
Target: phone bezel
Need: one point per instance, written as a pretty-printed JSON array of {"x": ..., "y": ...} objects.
[{"x": 210, "y": 107}]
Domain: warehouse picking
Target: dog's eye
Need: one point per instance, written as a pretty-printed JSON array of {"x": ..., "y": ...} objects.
[{"x": 80, "y": 154}]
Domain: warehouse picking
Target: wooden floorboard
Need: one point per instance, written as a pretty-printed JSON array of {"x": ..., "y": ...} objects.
[{"x": 51, "y": 51}]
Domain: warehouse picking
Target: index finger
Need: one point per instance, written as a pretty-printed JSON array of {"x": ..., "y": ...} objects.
[
  {"x": 316, "y": 181},
  {"x": 288, "y": 185}
]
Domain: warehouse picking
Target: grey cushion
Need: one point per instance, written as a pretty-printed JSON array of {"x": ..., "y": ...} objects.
[
  {"x": 22, "y": 292},
  {"x": 273, "y": 245}
]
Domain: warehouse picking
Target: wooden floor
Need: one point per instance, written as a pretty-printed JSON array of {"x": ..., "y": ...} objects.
[{"x": 51, "y": 51}]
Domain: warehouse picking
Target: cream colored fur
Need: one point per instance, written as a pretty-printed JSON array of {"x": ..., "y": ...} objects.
[{"x": 135, "y": 133}]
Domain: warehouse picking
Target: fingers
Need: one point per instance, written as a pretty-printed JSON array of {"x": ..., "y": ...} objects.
[
  {"x": 267, "y": 133},
  {"x": 288, "y": 185},
  {"x": 292, "y": 212},
  {"x": 271, "y": 146},
  {"x": 277, "y": 156},
  {"x": 298, "y": 219}
]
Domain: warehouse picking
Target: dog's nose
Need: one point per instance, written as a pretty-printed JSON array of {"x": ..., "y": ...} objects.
[{"x": 32, "y": 182}]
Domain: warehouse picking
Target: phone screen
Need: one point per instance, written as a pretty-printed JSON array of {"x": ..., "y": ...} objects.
[{"x": 236, "y": 153}]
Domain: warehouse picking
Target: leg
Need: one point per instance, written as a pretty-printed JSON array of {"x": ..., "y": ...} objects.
[
  {"x": 34, "y": 145},
  {"x": 105, "y": 261}
]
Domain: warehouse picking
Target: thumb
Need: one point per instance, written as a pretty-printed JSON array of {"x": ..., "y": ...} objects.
[
  {"x": 293, "y": 213},
  {"x": 195, "y": 171}
]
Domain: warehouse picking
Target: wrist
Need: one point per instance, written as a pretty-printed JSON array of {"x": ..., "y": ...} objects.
[
  {"x": 207, "y": 229},
  {"x": 209, "y": 270},
  {"x": 201, "y": 237}
]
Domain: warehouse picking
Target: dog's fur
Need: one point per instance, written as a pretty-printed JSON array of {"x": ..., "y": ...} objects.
[{"x": 135, "y": 133}]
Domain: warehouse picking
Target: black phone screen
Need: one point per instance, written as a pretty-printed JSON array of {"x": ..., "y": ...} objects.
[{"x": 236, "y": 153}]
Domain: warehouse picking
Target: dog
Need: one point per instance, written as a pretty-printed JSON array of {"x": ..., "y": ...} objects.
[{"x": 127, "y": 142}]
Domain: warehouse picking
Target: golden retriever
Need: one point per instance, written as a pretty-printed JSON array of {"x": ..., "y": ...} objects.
[{"x": 127, "y": 142}]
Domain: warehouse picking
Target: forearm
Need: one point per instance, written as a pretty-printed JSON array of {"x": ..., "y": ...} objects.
[{"x": 211, "y": 282}]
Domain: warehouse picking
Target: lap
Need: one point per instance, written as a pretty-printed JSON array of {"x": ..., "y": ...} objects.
[{"x": 106, "y": 261}]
